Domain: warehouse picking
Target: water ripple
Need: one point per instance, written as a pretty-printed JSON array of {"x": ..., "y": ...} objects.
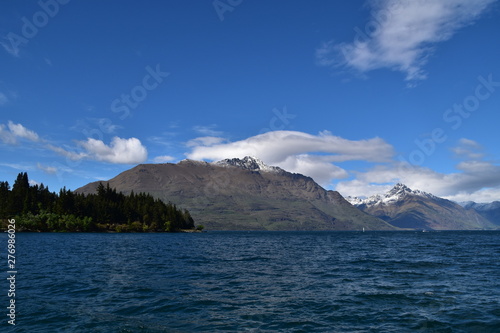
[{"x": 259, "y": 282}]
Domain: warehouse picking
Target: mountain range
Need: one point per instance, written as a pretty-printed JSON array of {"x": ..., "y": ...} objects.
[
  {"x": 407, "y": 208},
  {"x": 490, "y": 211},
  {"x": 244, "y": 194},
  {"x": 247, "y": 194}
]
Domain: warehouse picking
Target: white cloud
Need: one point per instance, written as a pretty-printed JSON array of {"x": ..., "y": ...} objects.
[
  {"x": 468, "y": 149},
  {"x": 361, "y": 188},
  {"x": 207, "y": 130},
  {"x": 317, "y": 167},
  {"x": 74, "y": 156},
  {"x": 46, "y": 168},
  {"x": 6, "y": 136},
  {"x": 205, "y": 141},
  {"x": 34, "y": 182},
  {"x": 401, "y": 35},
  {"x": 278, "y": 145},
  {"x": 3, "y": 99},
  {"x": 475, "y": 179},
  {"x": 381, "y": 178},
  {"x": 485, "y": 195},
  {"x": 163, "y": 159},
  {"x": 311, "y": 155},
  {"x": 317, "y": 156},
  {"x": 10, "y": 133},
  {"x": 121, "y": 151},
  {"x": 17, "y": 166},
  {"x": 20, "y": 131}
]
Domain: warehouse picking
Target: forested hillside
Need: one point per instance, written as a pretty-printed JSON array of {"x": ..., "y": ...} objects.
[{"x": 35, "y": 208}]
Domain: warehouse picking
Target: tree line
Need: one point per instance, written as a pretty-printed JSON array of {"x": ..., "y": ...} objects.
[{"x": 35, "y": 208}]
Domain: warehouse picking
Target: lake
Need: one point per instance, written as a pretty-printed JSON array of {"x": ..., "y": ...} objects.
[{"x": 256, "y": 282}]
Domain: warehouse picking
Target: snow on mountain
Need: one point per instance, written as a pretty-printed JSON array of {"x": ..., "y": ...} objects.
[
  {"x": 480, "y": 207},
  {"x": 354, "y": 200},
  {"x": 407, "y": 208},
  {"x": 397, "y": 193},
  {"x": 466, "y": 204},
  {"x": 248, "y": 163}
]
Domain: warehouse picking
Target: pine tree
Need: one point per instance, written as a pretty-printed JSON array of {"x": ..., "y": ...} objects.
[
  {"x": 20, "y": 192},
  {"x": 5, "y": 200}
]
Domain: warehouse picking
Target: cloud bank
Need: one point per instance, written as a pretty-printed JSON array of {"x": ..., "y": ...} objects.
[
  {"x": 298, "y": 152},
  {"x": 401, "y": 35},
  {"x": 475, "y": 179},
  {"x": 278, "y": 145},
  {"x": 321, "y": 156}
]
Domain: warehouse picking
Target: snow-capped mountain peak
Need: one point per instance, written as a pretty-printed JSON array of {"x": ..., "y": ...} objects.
[
  {"x": 248, "y": 163},
  {"x": 397, "y": 193},
  {"x": 398, "y": 190},
  {"x": 354, "y": 200}
]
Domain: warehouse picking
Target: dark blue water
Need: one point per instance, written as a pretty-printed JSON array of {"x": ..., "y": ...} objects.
[{"x": 257, "y": 282}]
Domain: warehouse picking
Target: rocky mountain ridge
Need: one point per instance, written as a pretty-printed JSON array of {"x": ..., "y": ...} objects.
[
  {"x": 397, "y": 193},
  {"x": 244, "y": 194},
  {"x": 248, "y": 163}
]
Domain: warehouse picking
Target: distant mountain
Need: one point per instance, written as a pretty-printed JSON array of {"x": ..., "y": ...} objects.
[
  {"x": 490, "y": 211},
  {"x": 407, "y": 208},
  {"x": 244, "y": 194}
]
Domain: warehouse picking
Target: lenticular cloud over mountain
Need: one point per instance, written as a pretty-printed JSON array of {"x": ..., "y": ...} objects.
[
  {"x": 326, "y": 157},
  {"x": 299, "y": 152},
  {"x": 278, "y": 145}
]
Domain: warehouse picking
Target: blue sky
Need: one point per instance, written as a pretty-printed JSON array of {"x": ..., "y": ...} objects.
[{"x": 359, "y": 95}]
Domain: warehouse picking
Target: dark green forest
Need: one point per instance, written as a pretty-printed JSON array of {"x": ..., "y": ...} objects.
[{"x": 35, "y": 208}]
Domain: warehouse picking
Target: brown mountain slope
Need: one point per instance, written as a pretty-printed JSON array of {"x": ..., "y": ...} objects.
[
  {"x": 405, "y": 208},
  {"x": 244, "y": 195}
]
